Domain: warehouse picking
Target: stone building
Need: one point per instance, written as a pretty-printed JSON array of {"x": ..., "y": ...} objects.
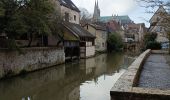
[
  {"x": 100, "y": 33},
  {"x": 85, "y": 38},
  {"x": 77, "y": 41},
  {"x": 157, "y": 25},
  {"x": 67, "y": 10},
  {"x": 136, "y": 31}
]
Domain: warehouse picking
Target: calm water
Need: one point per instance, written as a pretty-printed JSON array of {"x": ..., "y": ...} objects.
[{"x": 89, "y": 79}]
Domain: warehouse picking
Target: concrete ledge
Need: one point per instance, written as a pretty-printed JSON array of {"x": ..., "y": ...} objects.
[
  {"x": 160, "y": 51},
  {"x": 125, "y": 88},
  {"x": 129, "y": 79}
]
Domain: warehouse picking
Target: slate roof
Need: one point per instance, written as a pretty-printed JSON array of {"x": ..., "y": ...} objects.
[
  {"x": 77, "y": 30},
  {"x": 124, "y": 19},
  {"x": 69, "y": 36},
  {"x": 98, "y": 27},
  {"x": 69, "y": 4}
]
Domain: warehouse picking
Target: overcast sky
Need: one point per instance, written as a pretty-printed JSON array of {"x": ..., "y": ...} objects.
[{"x": 120, "y": 7}]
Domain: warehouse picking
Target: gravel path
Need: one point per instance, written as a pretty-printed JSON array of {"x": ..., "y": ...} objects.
[{"x": 156, "y": 72}]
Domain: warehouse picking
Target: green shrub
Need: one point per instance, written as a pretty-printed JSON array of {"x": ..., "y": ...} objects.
[{"x": 153, "y": 45}]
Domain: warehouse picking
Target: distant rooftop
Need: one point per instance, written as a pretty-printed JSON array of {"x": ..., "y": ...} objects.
[
  {"x": 77, "y": 30},
  {"x": 122, "y": 19},
  {"x": 69, "y": 4}
]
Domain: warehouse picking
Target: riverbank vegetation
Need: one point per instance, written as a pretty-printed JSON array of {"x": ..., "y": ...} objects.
[
  {"x": 20, "y": 19},
  {"x": 150, "y": 41},
  {"x": 114, "y": 42}
]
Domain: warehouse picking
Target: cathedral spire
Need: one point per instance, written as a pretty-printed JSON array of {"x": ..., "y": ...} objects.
[
  {"x": 96, "y": 14},
  {"x": 97, "y": 4}
]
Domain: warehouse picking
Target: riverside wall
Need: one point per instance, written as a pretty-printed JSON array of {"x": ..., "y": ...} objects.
[{"x": 29, "y": 59}]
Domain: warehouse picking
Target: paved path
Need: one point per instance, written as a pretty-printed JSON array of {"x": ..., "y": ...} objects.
[{"x": 156, "y": 72}]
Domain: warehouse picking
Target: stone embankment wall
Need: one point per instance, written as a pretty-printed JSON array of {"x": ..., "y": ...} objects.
[
  {"x": 126, "y": 86},
  {"x": 31, "y": 59}
]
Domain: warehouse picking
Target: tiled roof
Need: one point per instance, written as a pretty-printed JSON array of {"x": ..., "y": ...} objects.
[
  {"x": 77, "y": 30},
  {"x": 69, "y": 4},
  {"x": 133, "y": 26},
  {"x": 113, "y": 26}
]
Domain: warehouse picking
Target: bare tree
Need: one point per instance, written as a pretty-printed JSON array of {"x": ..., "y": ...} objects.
[
  {"x": 85, "y": 16},
  {"x": 150, "y": 5}
]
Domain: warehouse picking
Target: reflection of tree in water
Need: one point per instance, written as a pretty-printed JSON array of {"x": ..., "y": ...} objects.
[
  {"x": 118, "y": 60},
  {"x": 132, "y": 53},
  {"x": 114, "y": 61}
]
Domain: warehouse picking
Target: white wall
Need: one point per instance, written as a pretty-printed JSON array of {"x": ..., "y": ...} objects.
[{"x": 90, "y": 51}]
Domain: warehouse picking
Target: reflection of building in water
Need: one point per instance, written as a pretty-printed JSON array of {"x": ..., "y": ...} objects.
[
  {"x": 101, "y": 65},
  {"x": 62, "y": 82},
  {"x": 88, "y": 65},
  {"x": 28, "y": 86},
  {"x": 114, "y": 61}
]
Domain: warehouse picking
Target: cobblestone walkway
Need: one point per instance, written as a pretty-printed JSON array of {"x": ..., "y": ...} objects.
[{"x": 156, "y": 72}]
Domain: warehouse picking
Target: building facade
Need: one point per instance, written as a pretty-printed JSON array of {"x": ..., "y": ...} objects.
[
  {"x": 100, "y": 33},
  {"x": 67, "y": 10},
  {"x": 77, "y": 41},
  {"x": 157, "y": 25}
]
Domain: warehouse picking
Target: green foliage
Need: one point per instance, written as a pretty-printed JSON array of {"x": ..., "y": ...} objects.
[
  {"x": 115, "y": 41},
  {"x": 2, "y": 10},
  {"x": 32, "y": 17},
  {"x": 153, "y": 45},
  {"x": 150, "y": 41},
  {"x": 150, "y": 37}
]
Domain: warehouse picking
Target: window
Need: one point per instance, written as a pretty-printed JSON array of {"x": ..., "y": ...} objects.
[
  {"x": 66, "y": 16},
  {"x": 103, "y": 44},
  {"x": 87, "y": 27},
  {"x": 74, "y": 17}
]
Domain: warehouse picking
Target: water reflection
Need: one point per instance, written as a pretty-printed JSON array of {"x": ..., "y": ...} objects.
[{"x": 88, "y": 79}]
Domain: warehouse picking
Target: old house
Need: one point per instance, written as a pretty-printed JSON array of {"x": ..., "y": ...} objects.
[
  {"x": 67, "y": 10},
  {"x": 134, "y": 35},
  {"x": 157, "y": 25},
  {"x": 77, "y": 41},
  {"x": 86, "y": 39},
  {"x": 137, "y": 31},
  {"x": 100, "y": 33}
]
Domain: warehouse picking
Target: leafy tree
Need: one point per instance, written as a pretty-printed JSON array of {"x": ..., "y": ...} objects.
[
  {"x": 150, "y": 41},
  {"x": 115, "y": 41},
  {"x": 31, "y": 17}
]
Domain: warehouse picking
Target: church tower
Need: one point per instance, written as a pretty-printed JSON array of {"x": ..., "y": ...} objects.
[{"x": 96, "y": 14}]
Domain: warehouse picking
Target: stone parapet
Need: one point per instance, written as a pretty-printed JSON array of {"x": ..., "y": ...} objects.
[{"x": 125, "y": 88}]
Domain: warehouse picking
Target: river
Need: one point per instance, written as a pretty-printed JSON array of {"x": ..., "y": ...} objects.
[{"x": 87, "y": 79}]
